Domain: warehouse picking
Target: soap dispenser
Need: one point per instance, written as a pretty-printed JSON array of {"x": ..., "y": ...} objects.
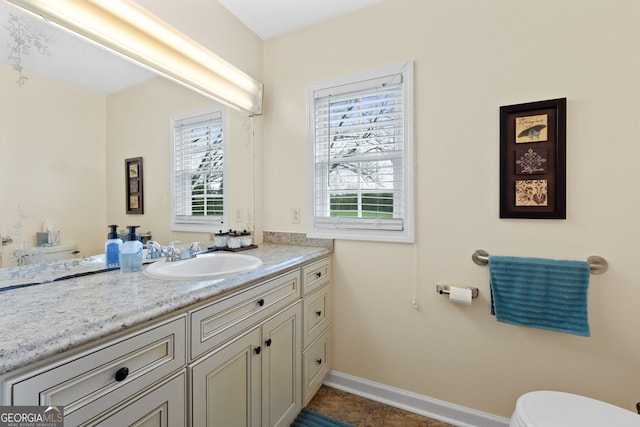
[
  {"x": 131, "y": 251},
  {"x": 112, "y": 248}
]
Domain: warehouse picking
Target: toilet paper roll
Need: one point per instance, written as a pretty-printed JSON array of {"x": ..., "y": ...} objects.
[{"x": 460, "y": 296}]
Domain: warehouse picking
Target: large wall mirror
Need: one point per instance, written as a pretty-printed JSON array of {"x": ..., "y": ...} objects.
[{"x": 69, "y": 117}]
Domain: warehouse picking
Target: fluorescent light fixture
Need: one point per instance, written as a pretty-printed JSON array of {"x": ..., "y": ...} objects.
[{"x": 130, "y": 30}]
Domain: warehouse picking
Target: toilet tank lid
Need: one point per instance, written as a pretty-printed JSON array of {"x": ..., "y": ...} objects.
[
  {"x": 561, "y": 409},
  {"x": 46, "y": 250}
]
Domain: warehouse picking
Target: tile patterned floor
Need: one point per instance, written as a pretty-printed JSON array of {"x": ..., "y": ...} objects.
[{"x": 362, "y": 412}]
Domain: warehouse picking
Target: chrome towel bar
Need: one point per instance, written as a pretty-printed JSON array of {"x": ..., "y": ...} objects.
[{"x": 598, "y": 264}]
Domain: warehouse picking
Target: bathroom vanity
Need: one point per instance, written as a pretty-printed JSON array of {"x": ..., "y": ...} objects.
[{"x": 125, "y": 349}]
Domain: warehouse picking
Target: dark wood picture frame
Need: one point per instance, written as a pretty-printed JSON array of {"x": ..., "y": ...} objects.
[
  {"x": 533, "y": 160},
  {"x": 133, "y": 183}
]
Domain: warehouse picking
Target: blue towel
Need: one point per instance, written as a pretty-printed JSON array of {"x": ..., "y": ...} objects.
[{"x": 540, "y": 293}]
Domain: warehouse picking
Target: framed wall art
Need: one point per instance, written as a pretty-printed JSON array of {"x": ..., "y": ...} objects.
[
  {"x": 533, "y": 160},
  {"x": 133, "y": 183}
]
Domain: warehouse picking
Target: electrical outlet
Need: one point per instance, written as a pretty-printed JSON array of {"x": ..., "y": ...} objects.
[
  {"x": 238, "y": 215},
  {"x": 295, "y": 215}
]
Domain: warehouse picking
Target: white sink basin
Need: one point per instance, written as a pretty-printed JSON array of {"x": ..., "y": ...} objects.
[{"x": 204, "y": 266}]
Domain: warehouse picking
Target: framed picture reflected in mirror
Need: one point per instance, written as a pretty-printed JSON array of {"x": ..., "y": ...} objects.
[{"x": 133, "y": 184}]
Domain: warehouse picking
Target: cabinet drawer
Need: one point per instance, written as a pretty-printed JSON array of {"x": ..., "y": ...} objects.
[
  {"x": 315, "y": 275},
  {"x": 162, "y": 406},
  {"x": 222, "y": 320},
  {"x": 317, "y": 316},
  {"x": 315, "y": 365},
  {"x": 89, "y": 383}
]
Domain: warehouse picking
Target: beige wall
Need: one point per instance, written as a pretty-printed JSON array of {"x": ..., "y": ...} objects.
[
  {"x": 470, "y": 58},
  {"x": 52, "y": 162}
]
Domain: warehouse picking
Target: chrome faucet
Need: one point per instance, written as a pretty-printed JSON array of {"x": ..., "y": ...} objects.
[
  {"x": 154, "y": 250},
  {"x": 178, "y": 254},
  {"x": 172, "y": 252},
  {"x": 191, "y": 251}
]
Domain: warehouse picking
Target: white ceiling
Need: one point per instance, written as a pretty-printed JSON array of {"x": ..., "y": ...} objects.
[
  {"x": 78, "y": 62},
  {"x": 270, "y": 18}
]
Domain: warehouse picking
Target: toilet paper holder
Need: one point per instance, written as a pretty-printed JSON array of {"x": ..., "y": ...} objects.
[{"x": 445, "y": 290}]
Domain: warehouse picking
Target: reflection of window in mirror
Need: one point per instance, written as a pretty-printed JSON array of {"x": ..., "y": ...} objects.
[{"x": 198, "y": 149}]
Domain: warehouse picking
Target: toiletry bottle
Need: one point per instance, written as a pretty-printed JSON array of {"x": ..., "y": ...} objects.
[
  {"x": 131, "y": 251},
  {"x": 112, "y": 248}
]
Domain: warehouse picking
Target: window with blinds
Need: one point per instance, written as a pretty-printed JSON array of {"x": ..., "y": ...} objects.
[
  {"x": 360, "y": 129},
  {"x": 198, "y": 171}
]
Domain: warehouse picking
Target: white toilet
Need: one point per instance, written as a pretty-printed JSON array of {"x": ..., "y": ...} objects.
[{"x": 559, "y": 409}]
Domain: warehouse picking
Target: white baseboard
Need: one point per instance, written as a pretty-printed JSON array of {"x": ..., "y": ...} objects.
[{"x": 413, "y": 402}]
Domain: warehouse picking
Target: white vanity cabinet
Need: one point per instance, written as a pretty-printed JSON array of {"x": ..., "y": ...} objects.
[
  {"x": 253, "y": 380},
  {"x": 316, "y": 326},
  {"x": 250, "y": 357},
  {"x": 251, "y": 375},
  {"x": 96, "y": 382}
]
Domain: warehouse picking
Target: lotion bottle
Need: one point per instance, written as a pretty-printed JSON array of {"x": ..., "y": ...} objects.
[
  {"x": 112, "y": 248},
  {"x": 131, "y": 251}
]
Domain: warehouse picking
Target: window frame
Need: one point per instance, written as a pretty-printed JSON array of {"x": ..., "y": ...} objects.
[
  {"x": 200, "y": 224},
  {"x": 329, "y": 227}
]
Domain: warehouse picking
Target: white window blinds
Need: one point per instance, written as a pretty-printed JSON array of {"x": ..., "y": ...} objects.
[
  {"x": 362, "y": 154},
  {"x": 198, "y": 174}
]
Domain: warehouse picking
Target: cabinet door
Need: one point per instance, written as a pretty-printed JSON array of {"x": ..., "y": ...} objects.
[
  {"x": 281, "y": 364},
  {"x": 225, "y": 385},
  {"x": 163, "y": 406}
]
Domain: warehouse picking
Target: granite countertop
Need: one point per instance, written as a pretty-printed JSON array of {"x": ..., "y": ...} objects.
[{"x": 50, "y": 318}]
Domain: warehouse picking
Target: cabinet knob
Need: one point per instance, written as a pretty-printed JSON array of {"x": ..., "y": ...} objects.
[
  {"x": 319, "y": 274},
  {"x": 261, "y": 302},
  {"x": 319, "y": 313},
  {"x": 319, "y": 361},
  {"x": 122, "y": 374},
  {"x": 268, "y": 342},
  {"x": 257, "y": 350}
]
